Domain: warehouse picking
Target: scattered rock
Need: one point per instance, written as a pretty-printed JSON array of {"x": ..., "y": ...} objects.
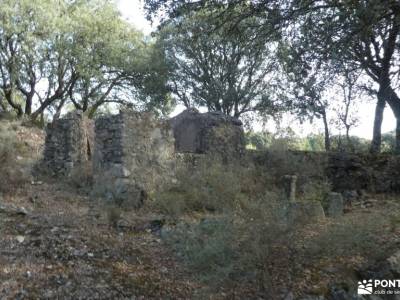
[
  {"x": 155, "y": 226},
  {"x": 11, "y": 210},
  {"x": 36, "y": 182},
  {"x": 350, "y": 196},
  {"x": 394, "y": 263},
  {"x": 20, "y": 238}
]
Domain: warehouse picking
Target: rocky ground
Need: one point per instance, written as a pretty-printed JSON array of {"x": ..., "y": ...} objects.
[{"x": 55, "y": 245}]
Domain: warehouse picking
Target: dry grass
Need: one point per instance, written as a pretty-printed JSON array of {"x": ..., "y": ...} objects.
[
  {"x": 234, "y": 235},
  {"x": 17, "y": 155}
]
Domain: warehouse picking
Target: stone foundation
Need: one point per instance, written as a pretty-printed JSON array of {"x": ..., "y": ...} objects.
[
  {"x": 68, "y": 144},
  {"x": 134, "y": 157}
]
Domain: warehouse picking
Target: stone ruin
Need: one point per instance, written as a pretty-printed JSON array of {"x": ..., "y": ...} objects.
[
  {"x": 133, "y": 157},
  {"x": 134, "y": 154},
  {"x": 212, "y": 132},
  {"x": 69, "y": 143}
]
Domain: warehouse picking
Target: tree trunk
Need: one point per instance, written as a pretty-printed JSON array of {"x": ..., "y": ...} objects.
[
  {"x": 326, "y": 132},
  {"x": 42, "y": 122},
  {"x": 394, "y": 102},
  {"x": 350, "y": 145},
  {"x": 377, "y": 134},
  {"x": 397, "y": 147},
  {"x": 348, "y": 135},
  {"x": 28, "y": 105},
  {"x": 58, "y": 110}
]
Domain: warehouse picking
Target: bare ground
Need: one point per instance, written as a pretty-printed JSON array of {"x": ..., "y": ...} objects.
[{"x": 54, "y": 244}]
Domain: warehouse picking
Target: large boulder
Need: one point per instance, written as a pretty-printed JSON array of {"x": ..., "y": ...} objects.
[{"x": 210, "y": 132}]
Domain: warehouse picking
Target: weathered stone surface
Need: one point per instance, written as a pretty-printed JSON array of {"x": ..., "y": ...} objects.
[
  {"x": 289, "y": 186},
  {"x": 335, "y": 205},
  {"x": 305, "y": 212},
  {"x": 348, "y": 172},
  {"x": 68, "y": 143},
  {"x": 133, "y": 158},
  {"x": 364, "y": 172},
  {"x": 350, "y": 196},
  {"x": 394, "y": 263},
  {"x": 210, "y": 132}
]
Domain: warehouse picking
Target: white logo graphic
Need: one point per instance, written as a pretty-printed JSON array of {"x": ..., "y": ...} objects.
[{"x": 365, "y": 287}]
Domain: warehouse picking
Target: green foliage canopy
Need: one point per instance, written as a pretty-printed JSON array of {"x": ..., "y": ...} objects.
[
  {"x": 82, "y": 52},
  {"x": 223, "y": 70}
]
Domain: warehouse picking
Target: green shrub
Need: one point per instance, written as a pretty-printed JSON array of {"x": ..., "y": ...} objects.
[
  {"x": 357, "y": 235},
  {"x": 240, "y": 245},
  {"x": 316, "y": 191},
  {"x": 206, "y": 247},
  {"x": 208, "y": 187}
]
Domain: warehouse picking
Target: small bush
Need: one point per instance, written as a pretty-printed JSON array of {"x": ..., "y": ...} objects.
[
  {"x": 209, "y": 187},
  {"x": 207, "y": 247},
  {"x": 316, "y": 191},
  {"x": 355, "y": 236},
  {"x": 113, "y": 215},
  {"x": 240, "y": 245},
  {"x": 278, "y": 161}
]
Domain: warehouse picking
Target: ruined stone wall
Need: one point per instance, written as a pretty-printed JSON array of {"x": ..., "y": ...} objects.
[
  {"x": 208, "y": 133},
  {"x": 345, "y": 171},
  {"x": 68, "y": 143},
  {"x": 375, "y": 173},
  {"x": 134, "y": 157}
]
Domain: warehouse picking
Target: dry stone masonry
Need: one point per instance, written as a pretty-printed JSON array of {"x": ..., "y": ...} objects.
[
  {"x": 134, "y": 157},
  {"x": 134, "y": 154},
  {"x": 212, "y": 132},
  {"x": 68, "y": 143}
]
